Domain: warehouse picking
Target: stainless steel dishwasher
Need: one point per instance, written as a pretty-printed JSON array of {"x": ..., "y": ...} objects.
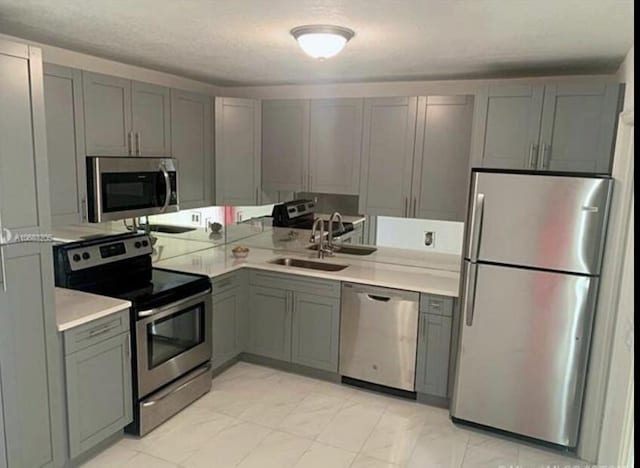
[{"x": 379, "y": 335}]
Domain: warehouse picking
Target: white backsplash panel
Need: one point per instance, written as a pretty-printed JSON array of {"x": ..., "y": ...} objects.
[{"x": 410, "y": 234}]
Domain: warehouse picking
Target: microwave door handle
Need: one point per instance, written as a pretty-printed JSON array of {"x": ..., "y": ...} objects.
[{"x": 167, "y": 184}]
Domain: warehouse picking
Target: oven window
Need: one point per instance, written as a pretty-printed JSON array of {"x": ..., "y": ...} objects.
[
  {"x": 123, "y": 191},
  {"x": 170, "y": 336}
]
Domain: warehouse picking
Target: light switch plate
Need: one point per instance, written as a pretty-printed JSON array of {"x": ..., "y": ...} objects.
[{"x": 430, "y": 238}]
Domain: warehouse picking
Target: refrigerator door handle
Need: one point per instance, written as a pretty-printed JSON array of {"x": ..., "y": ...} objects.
[
  {"x": 469, "y": 293},
  {"x": 476, "y": 227}
]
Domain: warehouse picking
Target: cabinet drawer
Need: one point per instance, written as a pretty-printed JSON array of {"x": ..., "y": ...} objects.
[
  {"x": 227, "y": 282},
  {"x": 295, "y": 283},
  {"x": 438, "y": 305},
  {"x": 96, "y": 331}
]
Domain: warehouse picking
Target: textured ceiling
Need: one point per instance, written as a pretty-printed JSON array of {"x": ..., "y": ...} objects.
[{"x": 247, "y": 42}]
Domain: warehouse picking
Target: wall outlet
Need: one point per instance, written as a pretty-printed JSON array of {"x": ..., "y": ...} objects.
[
  {"x": 430, "y": 238},
  {"x": 195, "y": 217}
]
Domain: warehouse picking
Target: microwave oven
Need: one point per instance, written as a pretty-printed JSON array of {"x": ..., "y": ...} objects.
[{"x": 127, "y": 187}]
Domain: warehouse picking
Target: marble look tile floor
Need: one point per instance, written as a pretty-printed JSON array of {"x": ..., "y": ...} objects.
[{"x": 258, "y": 417}]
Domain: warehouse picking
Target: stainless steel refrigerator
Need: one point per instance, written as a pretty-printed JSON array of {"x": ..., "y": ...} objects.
[{"x": 532, "y": 258}]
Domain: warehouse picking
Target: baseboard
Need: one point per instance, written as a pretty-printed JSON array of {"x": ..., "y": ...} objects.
[
  {"x": 432, "y": 400},
  {"x": 291, "y": 367}
]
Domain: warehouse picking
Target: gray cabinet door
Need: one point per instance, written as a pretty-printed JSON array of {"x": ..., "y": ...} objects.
[
  {"x": 432, "y": 364},
  {"x": 65, "y": 144},
  {"x": 227, "y": 325},
  {"x": 30, "y": 358},
  {"x": 151, "y": 119},
  {"x": 107, "y": 114},
  {"x": 335, "y": 139},
  {"x": 3, "y": 449},
  {"x": 270, "y": 322},
  {"x": 285, "y": 145},
  {"x": 578, "y": 125},
  {"x": 507, "y": 126},
  {"x": 99, "y": 401},
  {"x": 387, "y": 155},
  {"x": 315, "y": 335},
  {"x": 192, "y": 146},
  {"x": 23, "y": 165},
  {"x": 441, "y": 163},
  {"x": 237, "y": 142}
]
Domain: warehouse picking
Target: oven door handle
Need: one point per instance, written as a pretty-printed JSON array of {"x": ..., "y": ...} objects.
[
  {"x": 173, "y": 305},
  {"x": 167, "y": 184}
]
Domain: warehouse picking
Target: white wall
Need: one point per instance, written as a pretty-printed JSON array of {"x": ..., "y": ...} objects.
[
  {"x": 625, "y": 75},
  {"x": 409, "y": 234}
]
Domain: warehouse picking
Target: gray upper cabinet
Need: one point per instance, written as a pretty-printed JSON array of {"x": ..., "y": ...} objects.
[
  {"x": 563, "y": 127},
  {"x": 285, "y": 145},
  {"x": 441, "y": 162},
  {"x": 151, "y": 119},
  {"x": 335, "y": 139},
  {"x": 270, "y": 322},
  {"x": 315, "y": 331},
  {"x": 192, "y": 146},
  {"x": 125, "y": 118},
  {"x": 237, "y": 148},
  {"x": 107, "y": 111},
  {"x": 578, "y": 126},
  {"x": 99, "y": 401},
  {"x": 387, "y": 155},
  {"x": 507, "y": 126},
  {"x": 65, "y": 144}
]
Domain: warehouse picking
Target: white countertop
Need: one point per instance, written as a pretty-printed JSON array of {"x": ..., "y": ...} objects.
[
  {"x": 75, "y": 308},
  {"x": 219, "y": 260}
]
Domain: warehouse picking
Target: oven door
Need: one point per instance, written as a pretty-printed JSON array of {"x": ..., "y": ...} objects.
[
  {"x": 171, "y": 340},
  {"x": 120, "y": 188}
]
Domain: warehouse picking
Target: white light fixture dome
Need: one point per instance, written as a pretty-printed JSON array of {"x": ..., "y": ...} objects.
[{"x": 322, "y": 41}]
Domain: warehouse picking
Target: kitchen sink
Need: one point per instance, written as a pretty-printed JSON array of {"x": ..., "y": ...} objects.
[
  {"x": 309, "y": 264},
  {"x": 168, "y": 229},
  {"x": 349, "y": 249}
]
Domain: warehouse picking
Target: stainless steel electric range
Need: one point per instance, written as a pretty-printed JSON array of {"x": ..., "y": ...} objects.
[{"x": 170, "y": 320}]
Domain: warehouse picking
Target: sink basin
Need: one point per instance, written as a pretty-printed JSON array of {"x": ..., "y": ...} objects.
[
  {"x": 349, "y": 249},
  {"x": 167, "y": 228},
  {"x": 309, "y": 264}
]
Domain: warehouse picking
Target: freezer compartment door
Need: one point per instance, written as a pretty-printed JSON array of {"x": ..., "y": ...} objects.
[
  {"x": 541, "y": 221},
  {"x": 522, "y": 359}
]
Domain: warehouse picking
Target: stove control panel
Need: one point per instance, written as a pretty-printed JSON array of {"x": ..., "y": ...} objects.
[{"x": 96, "y": 254}]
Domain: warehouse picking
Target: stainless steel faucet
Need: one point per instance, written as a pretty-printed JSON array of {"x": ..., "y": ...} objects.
[
  {"x": 337, "y": 216},
  {"x": 322, "y": 250}
]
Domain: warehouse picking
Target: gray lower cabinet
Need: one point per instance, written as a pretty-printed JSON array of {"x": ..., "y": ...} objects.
[
  {"x": 434, "y": 342},
  {"x": 237, "y": 149},
  {"x": 98, "y": 381},
  {"x": 192, "y": 146},
  {"x": 229, "y": 302},
  {"x": 315, "y": 332},
  {"x": 294, "y": 319},
  {"x": 65, "y": 144}
]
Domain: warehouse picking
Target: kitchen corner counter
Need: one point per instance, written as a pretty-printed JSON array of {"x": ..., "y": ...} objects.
[
  {"x": 74, "y": 308},
  {"x": 218, "y": 261}
]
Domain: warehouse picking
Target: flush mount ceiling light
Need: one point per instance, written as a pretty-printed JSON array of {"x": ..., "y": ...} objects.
[{"x": 322, "y": 41}]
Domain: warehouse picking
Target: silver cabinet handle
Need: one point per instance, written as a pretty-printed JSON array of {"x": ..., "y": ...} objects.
[
  {"x": 129, "y": 144},
  {"x": 469, "y": 294},
  {"x": 83, "y": 208},
  {"x": 137, "y": 144},
  {"x": 257, "y": 199},
  {"x": 100, "y": 330},
  {"x": 533, "y": 150},
  {"x": 476, "y": 227},
  {"x": 3, "y": 270},
  {"x": 544, "y": 153},
  {"x": 415, "y": 206},
  {"x": 406, "y": 207}
]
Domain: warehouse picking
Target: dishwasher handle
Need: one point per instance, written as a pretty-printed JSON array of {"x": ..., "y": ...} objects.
[{"x": 378, "y": 298}]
